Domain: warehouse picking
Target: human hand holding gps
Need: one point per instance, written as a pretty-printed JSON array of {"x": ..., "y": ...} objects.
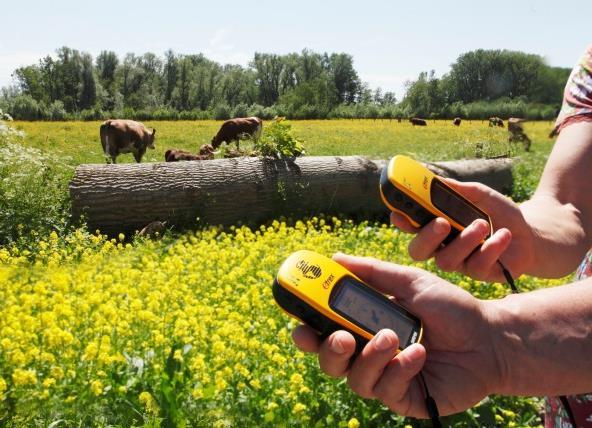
[
  {"x": 466, "y": 227},
  {"x": 455, "y": 332},
  {"x": 474, "y": 347}
]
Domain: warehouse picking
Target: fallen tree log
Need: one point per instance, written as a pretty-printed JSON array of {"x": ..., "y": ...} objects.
[{"x": 126, "y": 197}]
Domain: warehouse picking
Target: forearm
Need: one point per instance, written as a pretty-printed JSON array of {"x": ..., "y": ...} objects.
[
  {"x": 560, "y": 212},
  {"x": 559, "y": 235},
  {"x": 542, "y": 340}
]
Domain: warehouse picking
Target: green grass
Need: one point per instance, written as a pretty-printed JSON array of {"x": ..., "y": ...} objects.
[
  {"x": 79, "y": 141},
  {"x": 36, "y": 196},
  {"x": 92, "y": 292}
]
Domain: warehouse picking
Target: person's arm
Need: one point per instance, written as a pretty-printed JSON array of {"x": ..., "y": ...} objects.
[
  {"x": 529, "y": 344},
  {"x": 543, "y": 340},
  {"x": 560, "y": 211},
  {"x": 545, "y": 236}
]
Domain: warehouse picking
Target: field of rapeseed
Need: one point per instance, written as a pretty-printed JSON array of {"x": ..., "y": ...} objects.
[{"x": 183, "y": 331}]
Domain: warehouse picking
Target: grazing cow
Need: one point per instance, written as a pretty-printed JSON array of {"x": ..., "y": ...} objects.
[
  {"x": 417, "y": 121},
  {"x": 237, "y": 129},
  {"x": 517, "y": 133},
  {"x": 173, "y": 155},
  {"x": 125, "y": 136},
  {"x": 496, "y": 121},
  {"x": 457, "y": 121}
]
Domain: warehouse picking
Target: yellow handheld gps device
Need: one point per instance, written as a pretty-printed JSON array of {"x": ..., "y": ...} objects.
[
  {"x": 323, "y": 294},
  {"x": 409, "y": 188}
]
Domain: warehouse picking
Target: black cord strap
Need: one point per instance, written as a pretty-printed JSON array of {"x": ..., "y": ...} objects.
[
  {"x": 509, "y": 278},
  {"x": 431, "y": 405}
]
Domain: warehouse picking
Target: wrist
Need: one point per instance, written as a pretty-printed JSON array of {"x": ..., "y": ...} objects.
[{"x": 500, "y": 317}]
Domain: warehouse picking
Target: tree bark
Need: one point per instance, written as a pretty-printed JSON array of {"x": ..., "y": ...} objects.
[{"x": 127, "y": 197}]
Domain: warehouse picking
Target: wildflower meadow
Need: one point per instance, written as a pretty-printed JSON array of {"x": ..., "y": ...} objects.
[{"x": 183, "y": 331}]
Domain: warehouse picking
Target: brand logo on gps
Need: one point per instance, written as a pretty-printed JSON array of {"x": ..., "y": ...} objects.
[{"x": 308, "y": 270}]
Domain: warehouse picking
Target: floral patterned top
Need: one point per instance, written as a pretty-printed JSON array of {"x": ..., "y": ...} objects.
[{"x": 577, "y": 107}]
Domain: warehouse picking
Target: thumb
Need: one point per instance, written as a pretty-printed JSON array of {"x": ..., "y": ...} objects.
[{"x": 388, "y": 278}]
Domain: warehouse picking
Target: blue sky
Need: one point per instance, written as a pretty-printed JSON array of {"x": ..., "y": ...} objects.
[{"x": 391, "y": 41}]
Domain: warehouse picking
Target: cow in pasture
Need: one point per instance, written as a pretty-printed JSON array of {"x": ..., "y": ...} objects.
[
  {"x": 125, "y": 136},
  {"x": 496, "y": 121},
  {"x": 417, "y": 121},
  {"x": 457, "y": 121},
  {"x": 517, "y": 133},
  {"x": 173, "y": 155},
  {"x": 237, "y": 129}
]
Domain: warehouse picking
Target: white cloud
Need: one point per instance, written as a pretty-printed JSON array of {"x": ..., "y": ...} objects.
[
  {"x": 221, "y": 50},
  {"x": 10, "y": 61}
]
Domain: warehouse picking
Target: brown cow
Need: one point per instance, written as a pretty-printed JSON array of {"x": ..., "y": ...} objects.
[
  {"x": 417, "y": 121},
  {"x": 206, "y": 152},
  {"x": 457, "y": 121},
  {"x": 125, "y": 136},
  {"x": 496, "y": 121},
  {"x": 237, "y": 129},
  {"x": 517, "y": 133},
  {"x": 173, "y": 155}
]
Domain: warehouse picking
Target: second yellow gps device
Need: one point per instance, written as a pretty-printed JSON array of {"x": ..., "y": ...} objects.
[
  {"x": 409, "y": 188},
  {"x": 326, "y": 296}
]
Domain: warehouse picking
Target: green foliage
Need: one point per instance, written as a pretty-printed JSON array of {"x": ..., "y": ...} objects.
[
  {"x": 304, "y": 85},
  {"x": 279, "y": 141},
  {"x": 33, "y": 190},
  {"x": 490, "y": 83}
]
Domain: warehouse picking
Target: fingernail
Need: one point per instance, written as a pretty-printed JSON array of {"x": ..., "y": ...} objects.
[
  {"x": 383, "y": 341},
  {"x": 440, "y": 227},
  {"x": 481, "y": 226},
  {"x": 337, "y": 346}
]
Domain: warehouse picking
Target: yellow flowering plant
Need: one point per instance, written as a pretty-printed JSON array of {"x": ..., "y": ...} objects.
[{"x": 185, "y": 331}]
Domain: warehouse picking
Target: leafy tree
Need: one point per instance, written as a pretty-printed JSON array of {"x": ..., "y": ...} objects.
[{"x": 88, "y": 90}]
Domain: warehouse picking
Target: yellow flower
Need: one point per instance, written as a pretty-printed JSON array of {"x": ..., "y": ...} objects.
[
  {"x": 353, "y": 423},
  {"x": 178, "y": 355},
  {"x": 24, "y": 377},
  {"x": 3, "y": 387},
  {"x": 296, "y": 380},
  {"x": 149, "y": 402},
  {"x": 96, "y": 386},
  {"x": 299, "y": 408},
  {"x": 49, "y": 382}
]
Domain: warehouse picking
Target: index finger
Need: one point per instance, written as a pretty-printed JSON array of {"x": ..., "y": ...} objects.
[{"x": 402, "y": 222}]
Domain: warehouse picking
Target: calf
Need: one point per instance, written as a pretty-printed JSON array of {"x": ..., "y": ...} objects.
[
  {"x": 125, "y": 136},
  {"x": 173, "y": 155},
  {"x": 496, "y": 121},
  {"x": 417, "y": 121},
  {"x": 457, "y": 121},
  {"x": 237, "y": 129}
]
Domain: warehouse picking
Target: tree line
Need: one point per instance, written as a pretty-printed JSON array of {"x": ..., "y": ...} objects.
[{"x": 306, "y": 85}]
